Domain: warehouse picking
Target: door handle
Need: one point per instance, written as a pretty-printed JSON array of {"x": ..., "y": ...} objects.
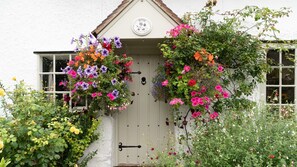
[{"x": 121, "y": 146}]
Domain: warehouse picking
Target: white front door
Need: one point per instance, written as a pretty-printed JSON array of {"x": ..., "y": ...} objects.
[{"x": 145, "y": 123}]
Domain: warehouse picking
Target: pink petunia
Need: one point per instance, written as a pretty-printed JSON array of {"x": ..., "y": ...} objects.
[
  {"x": 176, "y": 101},
  {"x": 196, "y": 114},
  {"x": 165, "y": 83},
  {"x": 72, "y": 73},
  {"x": 111, "y": 96},
  {"x": 225, "y": 94},
  {"x": 219, "y": 88},
  {"x": 94, "y": 95},
  {"x": 203, "y": 89},
  {"x": 220, "y": 68},
  {"x": 187, "y": 68},
  {"x": 193, "y": 93},
  {"x": 213, "y": 115}
]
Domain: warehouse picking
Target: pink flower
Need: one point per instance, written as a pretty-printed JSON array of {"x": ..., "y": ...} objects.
[
  {"x": 187, "y": 68},
  {"x": 165, "y": 83},
  {"x": 111, "y": 96},
  {"x": 220, "y": 68},
  {"x": 176, "y": 101},
  {"x": 225, "y": 94},
  {"x": 72, "y": 73},
  {"x": 94, "y": 95},
  {"x": 219, "y": 88},
  {"x": 73, "y": 91},
  {"x": 193, "y": 93},
  {"x": 129, "y": 63},
  {"x": 203, "y": 89},
  {"x": 213, "y": 115},
  {"x": 71, "y": 62},
  {"x": 196, "y": 114},
  {"x": 194, "y": 103}
]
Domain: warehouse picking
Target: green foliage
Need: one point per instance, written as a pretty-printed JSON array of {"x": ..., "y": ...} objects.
[
  {"x": 38, "y": 132},
  {"x": 246, "y": 139},
  {"x": 3, "y": 162},
  {"x": 242, "y": 54},
  {"x": 252, "y": 138}
]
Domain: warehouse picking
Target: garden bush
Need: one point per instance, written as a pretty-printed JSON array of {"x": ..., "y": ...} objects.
[
  {"x": 253, "y": 138},
  {"x": 37, "y": 131}
]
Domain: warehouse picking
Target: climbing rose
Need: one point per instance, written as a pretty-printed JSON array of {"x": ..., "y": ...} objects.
[{"x": 191, "y": 82}]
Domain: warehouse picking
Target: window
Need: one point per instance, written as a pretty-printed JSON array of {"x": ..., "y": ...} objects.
[{"x": 281, "y": 82}]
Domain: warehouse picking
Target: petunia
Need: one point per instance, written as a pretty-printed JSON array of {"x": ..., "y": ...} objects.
[
  {"x": 85, "y": 86},
  {"x": 187, "y": 68},
  {"x": 219, "y": 88},
  {"x": 118, "y": 44},
  {"x": 225, "y": 94},
  {"x": 113, "y": 81},
  {"x": 94, "y": 95},
  {"x": 104, "y": 52},
  {"x": 213, "y": 115},
  {"x": 111, "y": 96},
  {"x": 196, "y": 114},
  {"x": 115, "y": 93},
  {"x": 192, "y": 82},
  {"x": 72, "y": 73},
  {"x": 103, "y": 69},
  {"x": 220, "y": 68},
  {"x": 94, "y": 84},
  {"x": 193, "y": 93},
  {"x": 165, "y": 83},
  {"x": 175, "y": 101}
]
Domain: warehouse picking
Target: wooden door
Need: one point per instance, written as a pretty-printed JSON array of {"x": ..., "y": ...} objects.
[{"x": 144, "y": 122}]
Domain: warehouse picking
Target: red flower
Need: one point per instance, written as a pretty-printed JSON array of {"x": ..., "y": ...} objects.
[
  {"x": 192, "y": 82},
  {"x": 271, "y": 156}
]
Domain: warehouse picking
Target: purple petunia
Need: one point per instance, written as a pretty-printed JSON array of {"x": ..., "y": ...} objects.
[
  {"x": 95, "y": 75},
  {"x": 88, "y": 71},
  {"x": 114, "y": 81},
  {"x": 79, "y": 71},
  {"x": 94, "y": 84},
  {"x": 85, "y": 86},
  {"x": 94, "y": 68},
  {"x": 118, "y": 44},
  {"x": 117, "y": 38},
  {"x": 103, "y": 69},
  {"x": 66, "y": 69},
  {"x": 104, "y": 52},
  {"x": 115, "y": 93}
]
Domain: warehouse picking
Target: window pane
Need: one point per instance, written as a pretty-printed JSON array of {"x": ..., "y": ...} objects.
[
  {"x": 273, "y": 77},
  {"x": 61, "y": 62},
  {"x": 288, "y": 76},
  {"x": 272, "y": 95},
  {"x": 288, "y": 57},
  {"x": 288, "y": 95},
  {"x": 47, "y": 82},
  {"x": 61, "y": 80},
  {"x": 47, "y": 63},
  {"x": 273, "y": 57}
]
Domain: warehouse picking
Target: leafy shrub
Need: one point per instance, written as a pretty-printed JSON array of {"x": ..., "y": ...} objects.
[
  {"x": 38, "y": 132},
  {"x": 246, "y": 139}
]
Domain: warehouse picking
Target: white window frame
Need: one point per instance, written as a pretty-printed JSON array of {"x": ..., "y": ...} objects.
[
  {"x": 69, "y": 55},
  {"x": 280, "y": 85}
]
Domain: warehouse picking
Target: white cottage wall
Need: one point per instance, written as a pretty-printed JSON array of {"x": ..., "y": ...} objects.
[{"x": 49, "y": 25}]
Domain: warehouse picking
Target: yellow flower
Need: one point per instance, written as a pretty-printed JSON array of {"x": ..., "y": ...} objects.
[
  {"x": 76, "y": 131},
  {"x": 72, "y": 129},
  {"x": 1, "y": 144},
  {"x": 13, "y": 78},
  {"x": 2, "y": 92}
]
